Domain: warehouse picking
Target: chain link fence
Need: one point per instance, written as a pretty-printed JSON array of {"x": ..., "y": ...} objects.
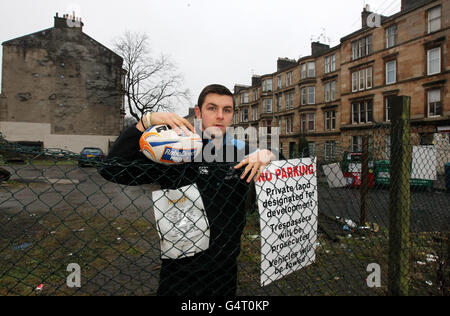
[{"x": 132, "y": 231}]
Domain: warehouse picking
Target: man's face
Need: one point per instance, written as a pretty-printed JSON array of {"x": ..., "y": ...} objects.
[{"x": 216, "y": 113}]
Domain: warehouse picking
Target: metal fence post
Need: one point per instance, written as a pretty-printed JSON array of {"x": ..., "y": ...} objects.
[
  {"x": 364, "y": 181},
  {"x": 399, "y": 201}
]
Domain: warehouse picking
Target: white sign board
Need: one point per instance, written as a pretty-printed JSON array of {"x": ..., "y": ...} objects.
[
  {"x": 288, "y": 207},
  {"x": 424, "y": 163}
]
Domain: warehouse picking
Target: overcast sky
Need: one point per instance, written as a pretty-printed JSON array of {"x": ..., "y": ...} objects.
[{"x": 211, "y": 41}]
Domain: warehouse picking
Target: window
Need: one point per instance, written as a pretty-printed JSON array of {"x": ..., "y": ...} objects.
[
  {"x": 311, "y": 69},
  {"x": 362, "y": 112},
  {"x": 255, "y": 113},
  {"x": 362, "y": 47},
  {"x": 303, "y": 71},
  {"x": 356, "y": 143},
  {"x": 362, "y": 79},
  {"x": 327, "y": 91},
  {"x": 289, "y": 100},
  {"x": 333, "y": 90},
  {"x": 311, "y": 95},
  {"x": 267, "y": 85},
  {"x": 235, "y": 118},
  {"x": 434, "y": 103},
  {"x": 391, "y": 72},
  {"x": 308, "y": 122},
  {"x": 434, "y": 61},
  {"x": 289, "y": 78},
  {"x": 311, "y": 121},
  {"x": 312, "y": 149},
  {"x": 355, "y": 81},
  {"x": 244, "y": 115},
  {"x": 330, "y": 91},
  {"x": 369, "y": 78},
  {"x": 255, "y": 94},
  {"x": 330, "y": 120},
  {"x": 303, "y": 96},
  {"x": 279, "y": 102},
  {"x": 330, "y": 150},
  {"x": 267, "y": 106},
  {"x": 330, "y": 63},
  {"x": 434, "y": 19},
  {"x": 289, "y": 124},
  {"x": 391, "y": 36},
  {"x": 387, "y": 109},
  {"x": 244, "y": 98},
  {"x": 279, "y": 82}
]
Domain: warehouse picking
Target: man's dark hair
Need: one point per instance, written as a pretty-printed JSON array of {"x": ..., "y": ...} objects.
[{"x": 216, "y": 89}]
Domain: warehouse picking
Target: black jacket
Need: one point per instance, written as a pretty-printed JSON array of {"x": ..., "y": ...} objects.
[{"x": 223, "y": 192}]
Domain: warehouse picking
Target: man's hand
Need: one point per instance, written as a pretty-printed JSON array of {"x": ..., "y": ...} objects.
[
  {"x": 256, "y": 163},
  {"x": 176, "y": 122}
]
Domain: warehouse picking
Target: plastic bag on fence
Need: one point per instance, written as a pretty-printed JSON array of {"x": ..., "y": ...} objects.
[{"x": 181, "y": 222}]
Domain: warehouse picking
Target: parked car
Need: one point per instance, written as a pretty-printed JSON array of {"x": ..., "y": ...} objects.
[{"x": 90, "y": 156}]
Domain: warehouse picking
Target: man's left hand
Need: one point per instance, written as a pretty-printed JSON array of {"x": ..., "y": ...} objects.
[{"x": 256, "y": 163}]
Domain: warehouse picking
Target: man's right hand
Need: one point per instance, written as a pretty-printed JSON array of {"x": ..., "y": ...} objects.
[{"x": 176, "y": 122}]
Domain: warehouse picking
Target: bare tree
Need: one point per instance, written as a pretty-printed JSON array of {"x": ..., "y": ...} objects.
[{"x": 151, "y": 84}]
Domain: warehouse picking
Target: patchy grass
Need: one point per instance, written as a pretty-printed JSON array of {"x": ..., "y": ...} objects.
[
  {"x": 340, "y": 267},
  {"x": 121, "y": 257},
  {"x": 97, "y": 244}
]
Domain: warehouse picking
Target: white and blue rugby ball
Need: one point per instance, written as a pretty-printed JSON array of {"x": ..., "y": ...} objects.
[{"x": 163, "y": 145}]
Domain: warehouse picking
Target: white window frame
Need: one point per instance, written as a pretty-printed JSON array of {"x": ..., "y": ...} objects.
[
  {"x": 429, "y": 61},
  {"x": 387, "y": 106},
  {"x": 327, "y": 91},
  {"x": 394, "y": 70},
  {"x": 369, "y": 74},
  {"x": 330, "y": 120},
  {"x": 438, "y": 92},
  {"x": 289, "y": 124},
  {"x": 333, "y": 63},
  {"x": 311, "y": 69},
  {"x": 362, "y": 79},
  {"x": 266, "y": 104},
  {"x": 333, "y": 90},
  {"x": 279, "y": 100},
  {"x": 308, "y": 121},
  {"x": 280, "y": 83},
  {"x": 327, "y": 64},
  {"x": 255, "y": 113},
  {"x": 304, "y": 71},
  {"x": 355, "y": 81},
  {"x": 432, "y": 19},
  {"x": 313, "y": 89},
  {"x": 304, "y": 96},
  {"x": 391, "y": 36}
]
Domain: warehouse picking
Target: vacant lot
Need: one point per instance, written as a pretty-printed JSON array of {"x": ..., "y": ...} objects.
[{"x": 55, "y": 215}]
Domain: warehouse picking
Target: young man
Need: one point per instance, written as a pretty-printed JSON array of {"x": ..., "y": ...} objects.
[{"x": 223, "y": 188}]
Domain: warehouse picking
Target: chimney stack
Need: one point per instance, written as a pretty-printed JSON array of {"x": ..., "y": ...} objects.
[
  {"x": 68, "y": 21},
  {"x": 364, "y": 15}
]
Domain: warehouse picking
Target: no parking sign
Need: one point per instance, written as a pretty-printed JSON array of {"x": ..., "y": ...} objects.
[{"x": 288, "y": 208}]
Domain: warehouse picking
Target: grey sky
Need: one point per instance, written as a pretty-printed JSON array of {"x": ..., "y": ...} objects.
[{"x": 211, "y": 41}]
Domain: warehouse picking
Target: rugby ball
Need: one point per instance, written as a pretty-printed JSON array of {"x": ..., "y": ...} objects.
[{"x": 163, "y": 145}]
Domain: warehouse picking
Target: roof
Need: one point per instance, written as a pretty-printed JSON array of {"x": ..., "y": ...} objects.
[{"x": 42, "y": 33}]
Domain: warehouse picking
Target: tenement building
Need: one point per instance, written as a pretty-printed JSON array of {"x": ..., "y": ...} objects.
[
  {"x": 337, "y": 95},
  {"x": 61, "y": 88}
]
